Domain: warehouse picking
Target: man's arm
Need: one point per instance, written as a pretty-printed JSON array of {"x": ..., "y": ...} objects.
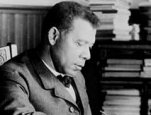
[{"x": 14, "y": 96}]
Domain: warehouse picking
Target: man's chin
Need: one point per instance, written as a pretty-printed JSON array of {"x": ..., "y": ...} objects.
[{"x": 73, "y": 71}]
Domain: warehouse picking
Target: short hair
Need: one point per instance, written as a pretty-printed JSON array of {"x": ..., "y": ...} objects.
[{"x": 62, "y": 14}]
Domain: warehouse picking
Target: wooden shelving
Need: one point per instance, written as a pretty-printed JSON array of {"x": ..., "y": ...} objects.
[{"x": 124, "y": 49}]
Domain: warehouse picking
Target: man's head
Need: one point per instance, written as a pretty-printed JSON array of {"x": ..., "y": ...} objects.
[
  {"x": 62, "y": 14},
  {"x": 69, "y": 29}
]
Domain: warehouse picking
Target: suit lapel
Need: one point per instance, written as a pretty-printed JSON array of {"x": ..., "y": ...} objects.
[
  {"x": 61, "y": 92},
  {"x": 81, "y": 90},
  {"x": 49, "y": 81}
]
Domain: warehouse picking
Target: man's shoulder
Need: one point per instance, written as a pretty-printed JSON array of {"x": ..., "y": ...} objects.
[
  {"x": 17, "y": 69},
  {"x": 18, "y": 62}
]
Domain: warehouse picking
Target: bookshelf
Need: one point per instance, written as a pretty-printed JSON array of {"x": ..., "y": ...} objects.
[{"x": 130, "y": 50}]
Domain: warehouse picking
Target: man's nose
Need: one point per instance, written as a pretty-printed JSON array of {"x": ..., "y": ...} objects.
[{"x": 86, "y": 54}]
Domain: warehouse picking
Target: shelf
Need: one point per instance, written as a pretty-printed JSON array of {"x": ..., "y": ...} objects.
[
  {"x": 133, "y": 45},
  {"x": 128, "y": 82},
  {"x": 104, "y": 50},
  {"x": 125, "y": 81}
]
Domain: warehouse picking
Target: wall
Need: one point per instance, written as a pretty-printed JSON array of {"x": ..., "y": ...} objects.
[
  {"x": 51, "y": 2},
  {"x": 21, "y": 25},
  {"x": 35, "y": 2}
]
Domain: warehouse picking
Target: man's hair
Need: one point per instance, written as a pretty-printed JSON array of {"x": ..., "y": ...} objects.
[{"x": 62, "y": 15}]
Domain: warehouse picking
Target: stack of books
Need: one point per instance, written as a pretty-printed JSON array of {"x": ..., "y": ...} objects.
[
  {"x": 114, "y": 16},
  {"x": 122, "y": 102},
  {"x": 122, "y": 68},
  {"x": 146, "y": 69},
  {"x": 145, "y": 23}
]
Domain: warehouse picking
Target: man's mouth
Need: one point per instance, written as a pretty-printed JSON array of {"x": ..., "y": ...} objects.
[{"x": 78, "y": 67}]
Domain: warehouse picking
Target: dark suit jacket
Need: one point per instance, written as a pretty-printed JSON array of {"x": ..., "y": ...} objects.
[{"x": 27, "y": 86}]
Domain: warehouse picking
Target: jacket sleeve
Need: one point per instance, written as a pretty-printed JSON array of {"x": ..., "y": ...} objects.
[{"x": 14, "y": 96}]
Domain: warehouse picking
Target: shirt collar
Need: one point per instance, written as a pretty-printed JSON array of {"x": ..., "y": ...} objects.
[{"x": 52, "y": 70}]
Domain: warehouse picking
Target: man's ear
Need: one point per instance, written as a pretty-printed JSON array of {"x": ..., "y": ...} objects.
[{"x": 53, "y": 35}]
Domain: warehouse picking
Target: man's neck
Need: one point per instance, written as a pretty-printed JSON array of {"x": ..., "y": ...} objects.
[{"x": 44, "y": 54}]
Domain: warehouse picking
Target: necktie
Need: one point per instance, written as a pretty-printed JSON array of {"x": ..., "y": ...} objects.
[{"x": 66, "y": 80}]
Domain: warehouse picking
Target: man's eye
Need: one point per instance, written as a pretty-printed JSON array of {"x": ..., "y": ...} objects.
[{"x": 79, "y": 44}]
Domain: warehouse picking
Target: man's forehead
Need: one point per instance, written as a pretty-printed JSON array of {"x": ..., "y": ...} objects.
[{"x": 86, "y": 41}]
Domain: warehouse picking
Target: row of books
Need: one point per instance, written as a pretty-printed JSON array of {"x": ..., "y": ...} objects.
[
  {"x": 122, "y": 67},
  {"x": 115, "y": 67},
  {"x": 121, "y": 102},
  {"x": 114, "y": 16}
]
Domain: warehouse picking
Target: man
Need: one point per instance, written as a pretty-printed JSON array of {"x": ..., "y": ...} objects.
[{"x": 29, "y": 83}]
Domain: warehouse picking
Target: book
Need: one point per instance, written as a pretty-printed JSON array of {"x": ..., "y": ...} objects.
[
  {"x": 133, "y": 66},
  {"x": 127, "y": 92},
  {"x": 122, "y": 102},
  {"x": 121, "y": 107},
  {"x": 109, "y": 27},
  {"x": 147, "y": 68},
  {"x": 122, "y": 68},
  {"x": 121, "y": 74},
  {"x": 107, "y": 7},
  {"x": 122, "y": 38},
  {"x": 13, "y": 50},
  {"x": 147, "y": 62},
  {"x": 111, "y": 16},
  {"x": 121, "y": 113},
  {"x": 124, "y": 61},
  {"x": 123, "y": 97},
  {"x": 4, "y": 54},
  {"x": 113, "y": 2},
  {"x": 113, "y": 25},
  {"x": 115, "y": 21},
  {"x": 145, "y": 74},
  {"x": 7, "y": 52},
  {"x": 117, "y": 11}
]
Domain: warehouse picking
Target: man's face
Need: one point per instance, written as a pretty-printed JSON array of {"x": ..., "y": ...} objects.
[{"x": 73, "y": 48}]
